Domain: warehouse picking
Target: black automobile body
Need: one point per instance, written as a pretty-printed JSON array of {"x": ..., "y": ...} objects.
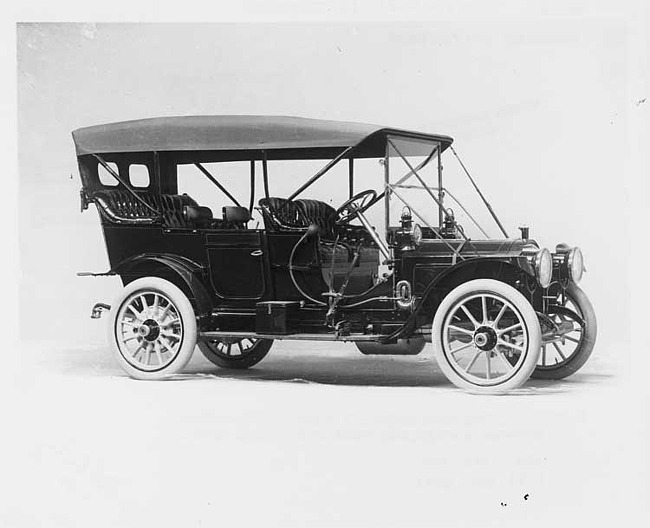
[{"x": 312, "y": 272}]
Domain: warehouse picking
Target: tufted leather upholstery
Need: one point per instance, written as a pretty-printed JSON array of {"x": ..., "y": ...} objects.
[
  {"x": 280, "y": 214},
  {"x": 120, "y": 206},
  {"x": 319, "y": 213}
]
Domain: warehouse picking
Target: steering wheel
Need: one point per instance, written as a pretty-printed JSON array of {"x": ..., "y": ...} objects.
[{"x": 359, "y": 203}]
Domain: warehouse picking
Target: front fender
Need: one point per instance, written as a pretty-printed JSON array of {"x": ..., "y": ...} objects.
[{"x": 505, "y": 269}]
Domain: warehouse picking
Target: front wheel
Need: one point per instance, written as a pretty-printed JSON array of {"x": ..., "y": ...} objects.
[
  {"x": 486, "y": 337},
  {"x": 561, "y": 359},
  {"x": 152, "y": 329},
  {"x": 236, "y": 353}
]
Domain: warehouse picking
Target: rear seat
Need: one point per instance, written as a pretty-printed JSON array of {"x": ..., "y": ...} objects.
[{"x": 121, "y": 207}]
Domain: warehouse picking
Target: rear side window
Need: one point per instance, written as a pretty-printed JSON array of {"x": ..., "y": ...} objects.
[
  {"x": 105, "y": 177},
  {"x": 139, "y": 175}
]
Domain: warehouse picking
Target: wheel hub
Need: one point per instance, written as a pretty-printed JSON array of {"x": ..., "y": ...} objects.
[
  {"x": 149, "y": 330},
  {"x": 485, "y": 338}
]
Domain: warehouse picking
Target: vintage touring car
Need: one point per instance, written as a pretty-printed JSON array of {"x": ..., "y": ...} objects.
[{"x": 496, "y": 310}]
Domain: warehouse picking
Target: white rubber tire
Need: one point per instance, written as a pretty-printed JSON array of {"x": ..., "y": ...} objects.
[
  {"x": 530, "y": 320},
  {"x": 187, "y": 317}
]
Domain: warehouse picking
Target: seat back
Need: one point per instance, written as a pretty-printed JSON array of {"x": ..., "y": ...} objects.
[
  {"x": 235, "y": 216},
  {"x": 198, "y": 216},
  {"x": 121, "y": 207},
  {"x": 171, "y": 206},
  {"x": 319, "y": 213},
  {"x": 279, "y": 214}
]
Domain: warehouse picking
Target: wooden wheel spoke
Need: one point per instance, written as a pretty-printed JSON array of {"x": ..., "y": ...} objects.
[
  {"x": 510, "y": 345},
  {"x": 471, "y": 317},
  {"x": 484, "y": 309},
  {"x": 165, "y": 311},
  {"x": 504, "y": 361},
  {"x": 500, "y": 315},
  {"x": 138, "y": 315},
  {"x": 158, "y": 350},
  {"x": 473, "y": 360},
  {"x": 137, "y": 350},
  {"x": 559, "y": 351},
  {"x": 509, "y": 329},
  {"x": 463, "y": 347},
  {"x": 462, "y": 330},
  {"x": 148, "y": 354},
  {"x": 145, "y": 306},
  {"x": 166, "y": 344}
]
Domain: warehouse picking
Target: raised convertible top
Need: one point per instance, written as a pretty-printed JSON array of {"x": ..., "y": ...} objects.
[{"x": 281, "y": 137}]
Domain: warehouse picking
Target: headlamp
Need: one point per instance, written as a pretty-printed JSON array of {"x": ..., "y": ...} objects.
[
  {"x": 417, "y": 234},
  {"x": 575, "y": 264},
  {"x": 543, "y": 265}
]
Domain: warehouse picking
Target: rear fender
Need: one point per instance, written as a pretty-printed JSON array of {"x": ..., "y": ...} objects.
[{"x": 181, "y": 271}]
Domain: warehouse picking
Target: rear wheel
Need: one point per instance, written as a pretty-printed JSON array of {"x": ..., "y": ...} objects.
[
  {"x": 236, "y": 353},
  {"x": 561, "y": 359},
  {"x": 152, "y": 329},
  {"x": 486, "y": 337}
]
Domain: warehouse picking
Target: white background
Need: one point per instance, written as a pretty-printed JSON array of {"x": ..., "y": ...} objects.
[{"x": 546, "y": 109}]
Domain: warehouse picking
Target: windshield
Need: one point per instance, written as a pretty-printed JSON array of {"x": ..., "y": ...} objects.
[
  {"x": 409, "y": 176},
  {"x": 413, "y": 178}
]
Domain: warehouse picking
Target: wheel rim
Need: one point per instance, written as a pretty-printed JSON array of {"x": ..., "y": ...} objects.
[
  {"x": 233, "y": 349},
  {"x": 555, "y": 354},
  {"x": 485, "y": 339},
  {"x": 149, "y": 330}
]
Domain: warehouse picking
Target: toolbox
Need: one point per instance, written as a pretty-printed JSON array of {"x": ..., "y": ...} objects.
[{"x": 277, "y": 317}]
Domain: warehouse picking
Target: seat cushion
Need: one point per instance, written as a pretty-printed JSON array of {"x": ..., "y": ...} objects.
[{"x": 338, "y": 252}]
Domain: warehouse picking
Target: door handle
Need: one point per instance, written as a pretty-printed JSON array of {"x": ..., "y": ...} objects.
[{"x": 257, "y": 253}]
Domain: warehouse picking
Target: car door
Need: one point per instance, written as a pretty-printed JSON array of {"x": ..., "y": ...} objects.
[{"x": 237, "y": 264}]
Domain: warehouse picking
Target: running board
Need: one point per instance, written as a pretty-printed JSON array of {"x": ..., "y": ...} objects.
[{"x": 209, "y": 336}]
